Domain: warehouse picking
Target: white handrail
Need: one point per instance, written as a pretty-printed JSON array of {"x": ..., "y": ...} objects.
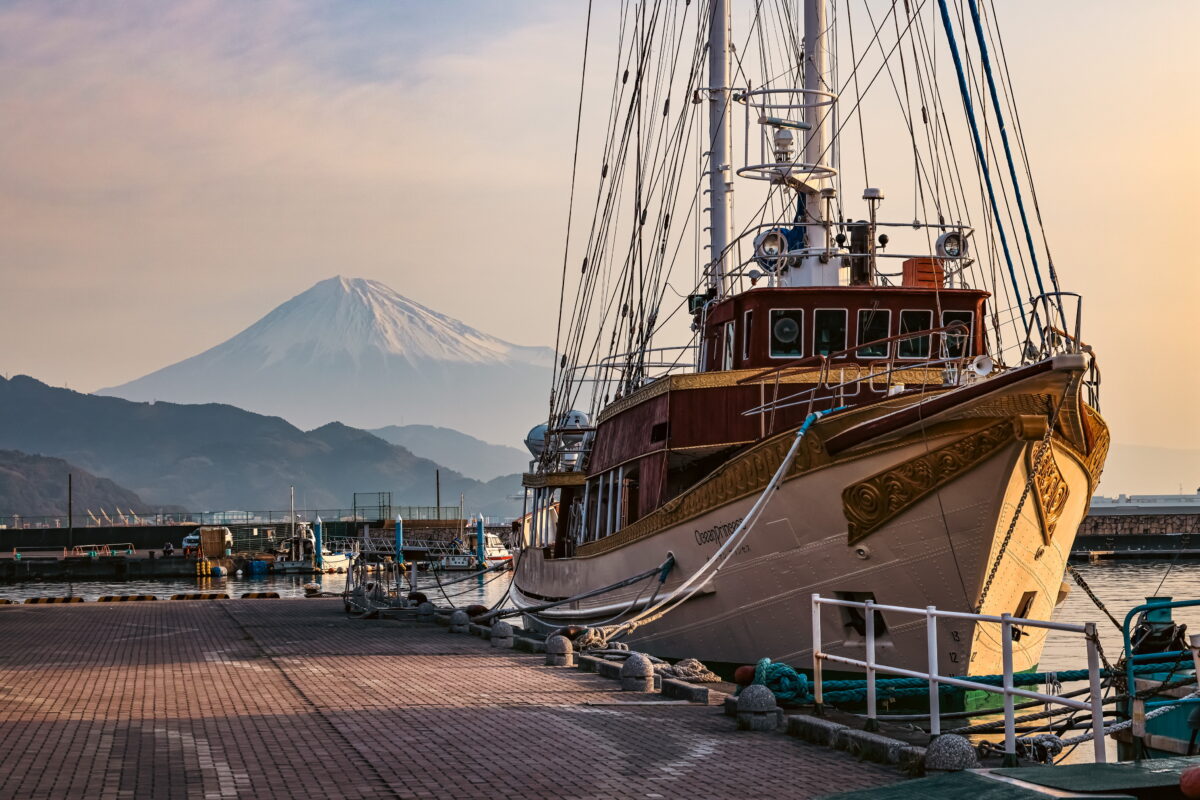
[{"x": 932, "y": 614}]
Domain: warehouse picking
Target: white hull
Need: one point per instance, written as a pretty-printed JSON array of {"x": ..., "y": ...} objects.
[
  {"x": 937, "y": 550},
  {"x": 330, "y": 562}
]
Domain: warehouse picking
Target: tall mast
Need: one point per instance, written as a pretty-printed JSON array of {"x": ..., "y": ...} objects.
[
  {"x": 720, "y": 157},
  {"x": 816, "y": 79}
]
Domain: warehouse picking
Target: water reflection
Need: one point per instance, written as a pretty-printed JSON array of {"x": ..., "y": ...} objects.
[{"x": 484, "y": 589}]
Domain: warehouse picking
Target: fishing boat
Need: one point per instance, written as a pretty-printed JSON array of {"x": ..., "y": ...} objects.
[
  {"x": 297, "y": 553},
  {"x": 813, "y": 397}
]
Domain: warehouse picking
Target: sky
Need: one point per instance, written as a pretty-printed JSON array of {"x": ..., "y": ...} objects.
[{"x": 171, "y": 171}]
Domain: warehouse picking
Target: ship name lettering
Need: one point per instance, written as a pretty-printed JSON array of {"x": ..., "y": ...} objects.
[{"x": 717, "y": 533}]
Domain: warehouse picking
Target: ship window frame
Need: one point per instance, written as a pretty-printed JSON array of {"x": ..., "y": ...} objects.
[
  {"x": 887, "y": 347},
  {"x": 747, "y": 333},
  {"x": 900, "y": 332},
  {"x": 799, "y": 337},
  {"x": 728, "y": 344},
  {"x": 970, "y": 337},
  {"x": 845, "y": 329}
]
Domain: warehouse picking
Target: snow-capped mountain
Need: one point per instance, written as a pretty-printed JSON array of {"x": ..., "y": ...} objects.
[{"x": 358, "y": 352}]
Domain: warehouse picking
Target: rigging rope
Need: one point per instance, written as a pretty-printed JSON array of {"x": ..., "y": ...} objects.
[
  {"x": 980, "y": 153},
  {"x": 986, "y": 61}
]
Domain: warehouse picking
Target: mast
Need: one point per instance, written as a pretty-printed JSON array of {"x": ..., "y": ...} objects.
[
  {"x": 720, "y": 156},
  {"x": 816, "y": 79}
]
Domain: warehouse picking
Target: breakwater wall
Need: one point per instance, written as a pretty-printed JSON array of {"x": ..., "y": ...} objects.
[{"x": 1118, "y": 524}]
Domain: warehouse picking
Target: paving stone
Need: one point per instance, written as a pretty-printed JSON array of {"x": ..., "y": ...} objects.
[{"x": 293, "y": 699}]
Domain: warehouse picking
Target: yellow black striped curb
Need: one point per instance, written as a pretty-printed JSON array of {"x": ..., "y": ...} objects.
[
  {"x": 260, "y": 595},
  {"x": 201, "y": 596},
  {"x": 121, "y": 598},
  {"x": 40, "y": 600}
]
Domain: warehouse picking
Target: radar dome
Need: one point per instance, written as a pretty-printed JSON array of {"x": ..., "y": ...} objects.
[
  {"x": 535, "y": 440},
  {"x": 573, "y": 426}
]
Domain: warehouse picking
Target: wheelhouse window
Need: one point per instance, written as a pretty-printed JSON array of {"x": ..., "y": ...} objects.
[
  {"x": 727, "y": 352},
  {"x": 958, "y": 345},
  {"x": 787, "y": 326},
  {"x": 829, "y": 330},
  {"x": 912, "y": 322},
  {"x": 747, "y": 319},
  {"x": 873, "y": 324}
]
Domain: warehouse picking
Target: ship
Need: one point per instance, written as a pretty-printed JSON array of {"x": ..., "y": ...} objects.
[{"x": 865, "y": 408}]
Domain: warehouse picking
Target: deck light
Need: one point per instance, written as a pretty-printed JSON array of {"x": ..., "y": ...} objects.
[
  {"x": 951, "y": 245},
  {"x": 768, "y": 247}
]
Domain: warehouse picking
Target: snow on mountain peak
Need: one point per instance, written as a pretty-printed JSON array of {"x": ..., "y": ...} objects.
[
  {"x": 357, "y": 351},
  {"x": 355, "y": 316}
]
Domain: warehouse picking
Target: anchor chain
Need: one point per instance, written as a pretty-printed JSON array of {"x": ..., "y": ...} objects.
[{"x": 1088, "y": 591}]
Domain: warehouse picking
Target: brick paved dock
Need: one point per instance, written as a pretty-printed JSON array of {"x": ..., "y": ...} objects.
[{"x": 290, "y": 699}]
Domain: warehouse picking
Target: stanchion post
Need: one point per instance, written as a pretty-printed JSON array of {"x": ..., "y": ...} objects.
[
  {"x": 480, "y": 546},
  {"x": 1010, "y": 725},
  {"x": 872, "y": 722},
  {"x": 816, "y": 645},
  {"x": 1093, "y": 657},
  {"x": 931, "y": 645}
]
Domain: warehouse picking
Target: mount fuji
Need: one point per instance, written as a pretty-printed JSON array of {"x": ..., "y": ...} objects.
[{"x": 356, "y": 351}]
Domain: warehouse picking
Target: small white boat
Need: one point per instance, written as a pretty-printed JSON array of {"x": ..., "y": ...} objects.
[
  {"x": 465, "y": 558},
  {"x": 297, "y": 554}
]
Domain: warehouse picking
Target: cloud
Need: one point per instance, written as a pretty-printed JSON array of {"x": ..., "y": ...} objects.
[{"x": 235, "y": 152}]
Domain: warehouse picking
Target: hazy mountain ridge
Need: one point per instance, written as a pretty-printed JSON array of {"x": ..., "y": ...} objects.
[
  {"x": 215, "y": 456},
  {"x": 34, "y": 485},
  {"x": 470, "y": 456},
  {"x": 357, "y": 351}
]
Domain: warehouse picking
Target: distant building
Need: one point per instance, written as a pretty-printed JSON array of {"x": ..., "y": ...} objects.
[{"x": 1143, "y": 513}]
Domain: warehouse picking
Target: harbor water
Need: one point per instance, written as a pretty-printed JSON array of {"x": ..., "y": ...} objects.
[{"x": 485, "y": 589}]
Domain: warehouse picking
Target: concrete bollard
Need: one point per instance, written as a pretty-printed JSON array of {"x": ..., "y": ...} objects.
[
  {"x": 950, "y": 753},
  {"x": 637, "y": 674},
  {"x": 460, "y": 622},
  {"x": 757, "y": 709},
  {"x": 425, "y": 612},
  {"x": 559, "y": 652},
  {"x": 502, "y": 635}
]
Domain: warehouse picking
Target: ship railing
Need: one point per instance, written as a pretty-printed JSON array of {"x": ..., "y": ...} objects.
[
  {"x": 881, "y": 371},
  {"x": 770, "y": 103},
  {"x": 602, "y": 370},
  {"x": 1010, "y": 626},
  {"x": 1054, "y": 339},
  {"x": 952, "y": 265}
]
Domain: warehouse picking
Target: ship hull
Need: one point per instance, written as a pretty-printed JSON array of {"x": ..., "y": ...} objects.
[{"x": 948, "y": 514}]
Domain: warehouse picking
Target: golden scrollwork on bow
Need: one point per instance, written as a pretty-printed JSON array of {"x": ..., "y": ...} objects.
[
  {"x": 871, "y": 503},
  {"x": 1050, "y": 489},
  {"x": 1098, "y": 441}
]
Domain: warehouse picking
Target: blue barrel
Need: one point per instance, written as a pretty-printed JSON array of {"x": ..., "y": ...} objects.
[
  {"x": 258, "y": 567},
  {"x": 219, "y": 572}
]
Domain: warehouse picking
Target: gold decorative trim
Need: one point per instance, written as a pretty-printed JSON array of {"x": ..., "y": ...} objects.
[
  {"x": 1050, "y": 497},
  {"x": 540, "y": 480},
  {"x": 1099, "y": 439},
  {"x": 740, "y": 477},
  {"x": 871, "y": 503},
  {"x": 749, "y": 473}
]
